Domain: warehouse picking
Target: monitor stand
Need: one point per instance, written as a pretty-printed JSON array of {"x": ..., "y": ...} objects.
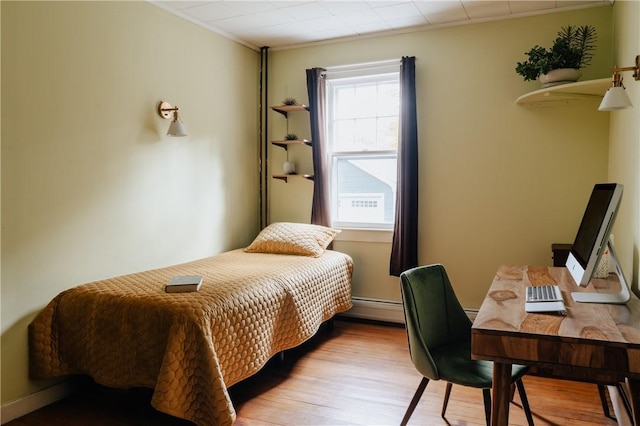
[{"x": 615, "y": 298}]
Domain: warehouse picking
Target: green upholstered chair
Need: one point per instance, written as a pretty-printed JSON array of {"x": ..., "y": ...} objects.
[{"x": 439, "y": 333}]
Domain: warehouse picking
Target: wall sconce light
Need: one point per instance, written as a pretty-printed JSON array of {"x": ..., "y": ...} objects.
[
  {"x": 176, "y": 128},
  {"x": 616, "y": 97}
]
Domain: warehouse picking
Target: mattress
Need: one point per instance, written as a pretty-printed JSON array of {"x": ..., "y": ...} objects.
[{"x": 128, "y": 332}]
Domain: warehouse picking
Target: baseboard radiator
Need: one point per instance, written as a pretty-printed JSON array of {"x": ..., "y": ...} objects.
[
  {"x": 383, "y": 310},
  {"x": 376, "y": 310}
]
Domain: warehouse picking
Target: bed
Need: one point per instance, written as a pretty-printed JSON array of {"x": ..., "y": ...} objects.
[{"x": 127, "y": 332}]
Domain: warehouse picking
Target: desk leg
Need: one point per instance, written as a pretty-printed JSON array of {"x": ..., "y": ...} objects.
[
  {"x": 501, "y": 394},
  {"x": 634, "y": 390}
]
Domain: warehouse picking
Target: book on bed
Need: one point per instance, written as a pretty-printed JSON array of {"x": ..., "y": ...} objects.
[{"x": 183, "y": 283}]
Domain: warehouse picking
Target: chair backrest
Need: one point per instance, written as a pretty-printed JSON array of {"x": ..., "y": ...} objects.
[{"x": 433, "y": 315}]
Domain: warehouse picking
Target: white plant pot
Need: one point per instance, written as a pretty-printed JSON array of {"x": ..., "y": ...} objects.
[
  {"x": 560, "y": 76},
  {"x": 289, "y": 168}
]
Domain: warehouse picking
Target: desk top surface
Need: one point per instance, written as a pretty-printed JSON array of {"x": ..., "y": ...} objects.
[
  {"x": 502, "y": 312},
  {"x": 593, "y": 342}
]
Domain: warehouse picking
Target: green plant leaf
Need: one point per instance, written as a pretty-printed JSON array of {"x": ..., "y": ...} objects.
[{"x": 573, "y": 48}]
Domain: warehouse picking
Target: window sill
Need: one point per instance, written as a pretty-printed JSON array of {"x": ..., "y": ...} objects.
[{"x": 366, "y": 235}]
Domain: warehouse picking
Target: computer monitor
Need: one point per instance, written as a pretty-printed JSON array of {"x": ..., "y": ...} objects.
[{"x": 592, "y": 240}]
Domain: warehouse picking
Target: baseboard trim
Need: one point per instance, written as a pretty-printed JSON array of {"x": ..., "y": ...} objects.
[
  {"x": 376, "y": 310},
  {"x": 35, "y": 401},
  {"x": 384, "y": 310}
]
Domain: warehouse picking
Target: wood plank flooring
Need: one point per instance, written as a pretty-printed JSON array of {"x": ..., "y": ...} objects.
[{"x": 356, "y": 374}]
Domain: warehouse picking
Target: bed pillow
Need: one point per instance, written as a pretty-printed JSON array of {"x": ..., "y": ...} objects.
[{"x": 293, "y": 238}]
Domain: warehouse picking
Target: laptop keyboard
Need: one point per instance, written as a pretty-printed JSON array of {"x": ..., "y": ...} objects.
[{"x": 544, "y": 293}]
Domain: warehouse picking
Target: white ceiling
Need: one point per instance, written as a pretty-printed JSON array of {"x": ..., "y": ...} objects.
[{"x": 280, "y": 24}]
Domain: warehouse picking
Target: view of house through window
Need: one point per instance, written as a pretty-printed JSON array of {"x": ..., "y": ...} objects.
[{"x": 362, "y": 122}]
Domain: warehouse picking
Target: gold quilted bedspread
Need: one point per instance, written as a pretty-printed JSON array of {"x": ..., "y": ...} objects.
[{"x": 189, "y": 347}]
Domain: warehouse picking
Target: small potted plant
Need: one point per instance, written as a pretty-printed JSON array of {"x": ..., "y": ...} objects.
[{"x": 571, "y": 51}]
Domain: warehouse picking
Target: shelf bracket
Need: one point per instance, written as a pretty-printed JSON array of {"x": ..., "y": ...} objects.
[
  {"x": 285, "y": 177},
  {"x": 281, "y": 145}
]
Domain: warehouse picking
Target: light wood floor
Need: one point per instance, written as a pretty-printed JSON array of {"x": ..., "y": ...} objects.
[{"x": 357, "y": 374}]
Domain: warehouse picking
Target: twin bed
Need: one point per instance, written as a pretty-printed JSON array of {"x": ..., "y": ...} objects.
[{"x": 189, "y": 348}]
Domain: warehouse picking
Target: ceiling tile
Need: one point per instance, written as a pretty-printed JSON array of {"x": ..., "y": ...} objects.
[
  {"x": 382, "y": 3},
  {"x": 334, "y": 33},
  {"x": 249, "y": 7},
  {"x": 321, "y": 24},
  {"x": 287, "y": 3},
  {"x": 361, "y": 18},
  {"x": 530, "y": 6},
  {"x": 401, "y": 10},
  {"x": 442, "y": 12},
  {"x": 438, "y": 6},
  {"x": 257, "y": 20},
  {"x": 412, "y": 21},
  {"x": 306, "y": 11},
  {"x": 344, "y": 7},
  {"x": 371, "y": 27},
  {"x": 260, "y": 23},
  {"x": 211, "y": 11},
  {"x": 178, "y": 5},
  {"x": 486, "y": 9}
]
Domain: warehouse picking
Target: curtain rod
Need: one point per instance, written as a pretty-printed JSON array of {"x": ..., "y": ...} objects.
[{"x": 362, "y": 66}]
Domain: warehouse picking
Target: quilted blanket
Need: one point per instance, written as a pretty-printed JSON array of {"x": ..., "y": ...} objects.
[{"x": 127, "y": 332}]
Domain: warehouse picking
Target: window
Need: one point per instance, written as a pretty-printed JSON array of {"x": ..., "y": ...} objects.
[{"x": 362, "y": 119}]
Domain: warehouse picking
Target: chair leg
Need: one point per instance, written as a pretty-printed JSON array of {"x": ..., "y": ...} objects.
[
  {"x": 525, "y": 402},
  {"x": 447, "y": 393},
  {"x": 414, "y": 401},
  {"x": 486, "y": 395},
  {"x": 625, "y": 401},
  {"x": 603, "y": 400}
]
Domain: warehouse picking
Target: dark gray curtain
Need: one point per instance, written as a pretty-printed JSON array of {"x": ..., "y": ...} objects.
[
  {"x": 404, "y": 249},
  {"x": 316, "y": 88}
]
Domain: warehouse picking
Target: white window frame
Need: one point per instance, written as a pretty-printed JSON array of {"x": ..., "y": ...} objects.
[{"x": 354, "y": 75}]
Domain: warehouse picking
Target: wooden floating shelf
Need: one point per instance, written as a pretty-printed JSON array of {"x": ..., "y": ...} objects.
[
  {"x": 591, "y": 89},
  {"x": 285, "y": 143},
  {"x": 286, "y": 177},
  {"x": 285, "y": 109}
]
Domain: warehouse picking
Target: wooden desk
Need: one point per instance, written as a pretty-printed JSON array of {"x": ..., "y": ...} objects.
[{"x": 593, "y": 342}]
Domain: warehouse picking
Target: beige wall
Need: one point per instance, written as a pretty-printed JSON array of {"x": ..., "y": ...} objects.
[
  {"x": 91, "y": 186},
  {"x": 499, "y": 183},
  {"x": 624, "y": 142}
]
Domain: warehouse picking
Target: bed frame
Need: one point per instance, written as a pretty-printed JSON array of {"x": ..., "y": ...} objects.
[{"x": 127, "y": 332}]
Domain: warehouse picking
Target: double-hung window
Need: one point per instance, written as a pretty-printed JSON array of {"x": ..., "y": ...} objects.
[{"x": 362, "y": 120}]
